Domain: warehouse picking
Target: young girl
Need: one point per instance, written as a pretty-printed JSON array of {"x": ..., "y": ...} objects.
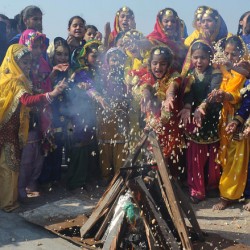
[
  {"x": 40, "y": 133},
  {"x": 246, "y": 35},
  {"x": 242, "y": 24},
  {"x": 113, "y": 122},
  {"x": 16, "y": 96},
  {"x": 59, "y": 54},
  {"x": 30, "y": 18},
  {"x": 136, "y": 60},
  {"x": 161, "y": 84},
  {"x": 76, "y": 32},
  {"x": 84, "y": 153},
  {"x": 168, "y": 31},
  {"x": 201, "y": 120},
  {"x": 196, "y": 24},
  {"x": 233, "y": 151},
  {"x": 92, "y": 33},
  {"x": 124, "y": 21}
]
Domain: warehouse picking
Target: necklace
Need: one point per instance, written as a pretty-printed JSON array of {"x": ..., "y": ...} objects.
[{"x": 200, "y": 76}]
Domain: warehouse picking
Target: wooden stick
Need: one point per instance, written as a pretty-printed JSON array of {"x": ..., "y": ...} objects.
[
  {"x": 113, "y": 192},
  {"x": 173, "y": 202}
]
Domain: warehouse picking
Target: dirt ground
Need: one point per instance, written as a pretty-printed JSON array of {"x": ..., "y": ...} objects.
[{"x": 228, "y": 229}]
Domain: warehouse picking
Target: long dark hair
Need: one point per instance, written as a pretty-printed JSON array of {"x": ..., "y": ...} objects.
[{"x": 239, "y": 30}]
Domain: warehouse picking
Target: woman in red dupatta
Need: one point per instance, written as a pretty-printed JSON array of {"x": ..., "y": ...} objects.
[
  {"x": 124, "y": 21},
  {"x": 168, "y": 31}
]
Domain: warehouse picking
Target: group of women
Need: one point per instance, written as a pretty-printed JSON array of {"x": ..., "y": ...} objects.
[{"x": 92, "y": 97}]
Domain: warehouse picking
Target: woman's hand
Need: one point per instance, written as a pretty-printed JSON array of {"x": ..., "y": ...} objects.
[
  {"x": 59, "y": 88},
  {"x": 72, "y": 42},
  {"x": 185, "y": 116},
  {"x": 217, "y": 95},
  {"x": 98, "y": 36},
  {"x": 232, "y": 126},
  {"x": 246, "y": 131},
  {"x": 61, "y": 67},
  {"x": 84, "y": 85},
  {"x": 103, "y": 103}
]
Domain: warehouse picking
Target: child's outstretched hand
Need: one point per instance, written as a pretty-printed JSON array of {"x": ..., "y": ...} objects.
[
  {"x": 185, "y": 115},
  {"x": 145, "y": 100},
  {"x": 198, "y": 114},
  {"x": 168, "y": 103}
]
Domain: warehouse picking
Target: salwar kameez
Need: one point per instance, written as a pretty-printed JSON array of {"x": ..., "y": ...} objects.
[{"x": 233, "y": 153}]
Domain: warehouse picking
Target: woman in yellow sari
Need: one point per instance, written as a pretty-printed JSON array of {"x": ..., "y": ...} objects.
[
  {"x": 15, "y": 98},
  {"x": 234, "y": 150}
]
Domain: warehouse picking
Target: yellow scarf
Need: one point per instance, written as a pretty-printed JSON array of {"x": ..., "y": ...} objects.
[{"x": 13, "y": 84}]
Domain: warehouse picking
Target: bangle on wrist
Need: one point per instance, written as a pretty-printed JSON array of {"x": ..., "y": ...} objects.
[{"x": 49, "y": 98}]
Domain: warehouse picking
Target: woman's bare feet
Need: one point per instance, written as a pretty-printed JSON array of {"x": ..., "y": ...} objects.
[
  {"x": 223, "y": 204},
  {"x": 247, "y": 206}
]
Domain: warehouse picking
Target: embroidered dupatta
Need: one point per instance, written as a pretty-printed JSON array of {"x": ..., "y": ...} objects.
[{"x": 13, "y": 84}]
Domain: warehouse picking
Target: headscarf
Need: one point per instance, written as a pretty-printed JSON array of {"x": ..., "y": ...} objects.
[
  {"x": 13, "y": 84},
  {"x": 58, "y": 41},
  {"x": 117, "y": 28},
  {"x": 220, "y": 31},
  {"x": 188, "y": 60},
  {"x": 93, "y": 46},
  {"x": 221, "y": 28},
  {"x": 117, "y": 51},
  {"x": 159, "y": 35}
]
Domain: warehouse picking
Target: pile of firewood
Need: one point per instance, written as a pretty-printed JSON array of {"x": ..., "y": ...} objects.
[{"x": 143, "y": 208}]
